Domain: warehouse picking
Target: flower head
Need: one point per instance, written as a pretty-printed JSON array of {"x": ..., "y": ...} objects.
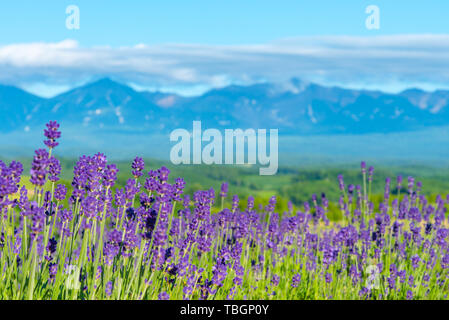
[
  {"x": 39, "y": 166},
  {"x": 138, "y": 166},
  {"x": 296, "y": 280},
  {"x": 52, "y": 133},
  {"x": 224, "y": 190}
]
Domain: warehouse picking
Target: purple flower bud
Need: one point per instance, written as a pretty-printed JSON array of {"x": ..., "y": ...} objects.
[
  {"x": 110, "y": 175},
  {"x": 350, "y": 188},
  {"x": 108, "y": 288},
  {"x": 370, "y": 173},
  {"x": 163, "y": 296},
  {"x": 60, "y": 192},
  {"x": 411, "y": 183},
  {"x": 178, "y": 189},
  {"x": 138, "y": 166},
  {"x": 399, "y": 181},
  {"x": 39, "y": 166},
  {"x": 296, "y": 280},
  {"x": 250, "y": 203},
  {"x": 163, "y": 174},
  {"x": 54, "y": 169},
  {"x": 363, "y": 167},
  {"x": 341, "y": 183},
  {"x": 52, "y": 133},
  {"x": 224, "y": 190}
]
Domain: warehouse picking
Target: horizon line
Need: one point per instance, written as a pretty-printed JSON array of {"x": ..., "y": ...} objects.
[{"x": 170, "y": 91}]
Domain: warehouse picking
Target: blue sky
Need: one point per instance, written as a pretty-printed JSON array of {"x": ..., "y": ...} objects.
[
  {"x": 123, "y": 23},
  {"x": 174, "y": 36}
]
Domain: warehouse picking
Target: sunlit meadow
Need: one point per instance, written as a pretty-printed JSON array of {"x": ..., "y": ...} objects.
[{"x": 149, "y": 240}]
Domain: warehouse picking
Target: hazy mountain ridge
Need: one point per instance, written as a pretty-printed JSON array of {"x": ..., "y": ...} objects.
[{"x": 299, "y": 108}]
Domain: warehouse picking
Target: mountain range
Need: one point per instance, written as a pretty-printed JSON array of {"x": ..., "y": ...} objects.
[{"x": 295, "y": 108}]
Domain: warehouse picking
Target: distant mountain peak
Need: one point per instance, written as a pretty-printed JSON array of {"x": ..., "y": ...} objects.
[
  {"x": 412, "y": 91},
  {"x": 107, "y": 83},
  {"x": 297, "y": 86},
  {"x": 293, "y": 107}
]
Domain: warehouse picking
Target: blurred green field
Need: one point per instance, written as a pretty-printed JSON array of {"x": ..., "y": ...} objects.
[{"x": 295, "y": 184}]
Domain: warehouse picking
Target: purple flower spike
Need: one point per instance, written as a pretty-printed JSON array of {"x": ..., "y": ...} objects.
[
  {"x": 110, "y": 175},
  {"x": 341, "y": 183},
  {"x": 370, "y": 173},
  {"x": 163, "y": 174},
  {"x": 163, "y": 296},
  {"x": 411, "y": 184},
  {"x": 52, "y": 133},
  {"x": 363, "y": 167},
  {"x": 399, "y": 181},
  {"x": 250, "y": 203},
  {"x": 138, "y": 166},
  {"x": 415, "y": 261},
  {"x": 108, "y": 288},
  {"x": 39, "y": 166},
  {"x": 60, "y": 192},
  {"x": 54, "y": 169},
  {"x": 224, "y": 190},
  {"x": 235, "y": 202},
  {"x": 296, "y": 280},
  {"x": 178, "y": 189}
]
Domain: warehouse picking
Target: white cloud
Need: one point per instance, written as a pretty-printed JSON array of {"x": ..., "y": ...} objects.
[{"x": 366, "y": 61}]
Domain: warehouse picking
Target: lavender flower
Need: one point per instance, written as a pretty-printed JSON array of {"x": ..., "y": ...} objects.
[
  {"x": 363, "y": 167},
  {"x": 341, "y": 184},
  {"x": 224, "y": 190},
  {"x": 138, "y": 166},
  {"x": 108, "y": 288},
  {"x": 163, "y": 296},
  {"x": 296, "y": 280},
  {"x": 39, "y": 166},
  {"x": 54, "y": 169},
  {"x": 52, "y": 133}
]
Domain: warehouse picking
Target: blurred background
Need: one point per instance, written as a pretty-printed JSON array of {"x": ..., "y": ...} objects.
[{"x": 342, "y": 81}]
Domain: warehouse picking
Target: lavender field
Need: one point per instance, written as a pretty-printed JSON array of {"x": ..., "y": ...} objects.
[{"x": 150, "y": 240}]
